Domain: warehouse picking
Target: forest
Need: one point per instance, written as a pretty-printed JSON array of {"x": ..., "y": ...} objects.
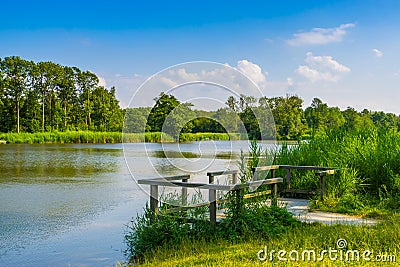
[
  {"x": 49, "y": 97},
  {"x": 45, "y": 97}
]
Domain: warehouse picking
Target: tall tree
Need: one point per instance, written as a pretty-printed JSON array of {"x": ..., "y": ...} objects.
[
  {"x": 86, "y": 82},
  {"x": 16, "y": 70}
]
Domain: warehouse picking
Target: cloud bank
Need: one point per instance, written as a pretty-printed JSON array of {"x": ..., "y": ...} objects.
[{"x": 321, "y": 68}]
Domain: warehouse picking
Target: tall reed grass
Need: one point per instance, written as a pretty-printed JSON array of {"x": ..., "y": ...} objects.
[
  {"x": 368, "y": 161},
  {"x": 108, "y": 137},
  {"x": 62, "y": 137},
  {"x": 190, "y": 137}
]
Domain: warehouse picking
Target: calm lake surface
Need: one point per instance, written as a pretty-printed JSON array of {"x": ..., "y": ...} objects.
[{"x": 68, "y": 205}]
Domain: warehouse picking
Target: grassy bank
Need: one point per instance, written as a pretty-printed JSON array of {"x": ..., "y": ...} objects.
[
  {"x": 107, "y": 137},
  {"x": 62, "y": 137},
  {"x": 383, "y": 239}
]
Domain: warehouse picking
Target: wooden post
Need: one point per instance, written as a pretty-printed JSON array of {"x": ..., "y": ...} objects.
[
  {"x": 322, "y": 183},
  {"x": 234, "y": 178},
  {"x": 272, "y": 173},
  {"x": 275, "y": 196},
  {"x": 184, "y": 194},
  {"x": 255, "y": 176},
  {"x": 153, "y": 199},
  {"x": 288, "y": 178},
  {"x": 212, "y": 198}
]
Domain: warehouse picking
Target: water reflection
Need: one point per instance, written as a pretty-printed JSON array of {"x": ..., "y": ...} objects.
[
  {"x": 54, "y": 163},
  {"x": 47, "y": 192}
]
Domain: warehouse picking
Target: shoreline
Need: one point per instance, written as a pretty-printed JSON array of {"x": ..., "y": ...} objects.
[{"x": 92, "y": 137}]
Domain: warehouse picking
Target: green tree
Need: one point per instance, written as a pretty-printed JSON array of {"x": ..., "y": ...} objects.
[
  {"x": 136, "y": 120},
  {"x": 16, "y": 82},
  {"x": 288, "y": 115},
  {"x": 170, "y": 116},
  {"x": 86, "y": 82},
  {"x": 232, "y": 103}
]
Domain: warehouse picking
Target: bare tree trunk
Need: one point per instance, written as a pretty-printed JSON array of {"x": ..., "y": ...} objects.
[
  {"x": 17, "y": 116},
  {"x": 42, "y": 112}
]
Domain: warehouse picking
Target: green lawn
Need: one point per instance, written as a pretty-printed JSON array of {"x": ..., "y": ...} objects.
[{"x": 383, "y": 238}]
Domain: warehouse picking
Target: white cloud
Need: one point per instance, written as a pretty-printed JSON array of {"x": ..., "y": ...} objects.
[
  {"x": 320, "y": 36},
  {"x": 251, "y": 70},
  {"x": 290, "y": 81},
  {"x": 325, "y": 62},
  {"x": 321, "y": 68},
  {"x": 102, "y": 81},
  {"x": 377, "y": 52},
  {"x": 216, "y": 83}
]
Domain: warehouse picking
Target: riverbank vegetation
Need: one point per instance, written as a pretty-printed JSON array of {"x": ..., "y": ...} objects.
[
  {"x": 366, "y": 183},
  {"x": 81, "y": 137}
]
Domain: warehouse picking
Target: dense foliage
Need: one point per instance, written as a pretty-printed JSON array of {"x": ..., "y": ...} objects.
[
  {"x": 45, "y": 96},
  {"x": 292, "y": 122}
]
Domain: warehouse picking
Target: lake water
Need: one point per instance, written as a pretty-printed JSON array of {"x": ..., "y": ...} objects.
[{"x": 68, "y": 205}]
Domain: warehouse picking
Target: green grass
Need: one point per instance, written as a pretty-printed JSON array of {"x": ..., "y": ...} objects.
[{"x": 383, "y": 238}]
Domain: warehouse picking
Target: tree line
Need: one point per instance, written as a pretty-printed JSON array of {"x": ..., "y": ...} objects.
[
  {"x": 45, "y": 96},
  {"x": 292, "y": 121}
]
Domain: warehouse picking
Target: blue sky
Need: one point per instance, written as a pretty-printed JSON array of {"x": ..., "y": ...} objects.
[{"x": 344, "y": 52}]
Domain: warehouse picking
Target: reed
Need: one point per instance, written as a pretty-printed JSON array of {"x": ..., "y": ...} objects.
[{"x": 368, "y": 159}]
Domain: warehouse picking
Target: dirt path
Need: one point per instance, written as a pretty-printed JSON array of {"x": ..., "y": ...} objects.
[{"x": 300, "y": 209}]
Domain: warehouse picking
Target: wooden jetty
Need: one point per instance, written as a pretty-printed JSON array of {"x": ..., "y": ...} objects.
[{"x": 182, "y": 181}]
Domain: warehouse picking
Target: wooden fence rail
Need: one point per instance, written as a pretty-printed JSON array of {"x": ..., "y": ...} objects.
[{"x": 183, "y": 182}]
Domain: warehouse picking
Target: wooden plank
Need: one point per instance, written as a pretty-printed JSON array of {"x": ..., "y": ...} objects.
[
  {"x": 226, "y": 172},
  {"x": 170, "y": 178},
  {"x": 211, "y": 186},
  {"x": 266, "y": 168},
  {"x": 258, "y": 183},
  {"x": 332, "y": 171},
  {"x": 257, "y": 194},
  {"x": 299, "y": 191},
  {"x": 310, "y": 168},
  {"x": 188, "y": 185}
]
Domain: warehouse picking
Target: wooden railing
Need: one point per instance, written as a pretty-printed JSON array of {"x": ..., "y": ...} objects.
[
  {"x": 183, "y": 182},
  {"x": 321, "y": 172}
]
